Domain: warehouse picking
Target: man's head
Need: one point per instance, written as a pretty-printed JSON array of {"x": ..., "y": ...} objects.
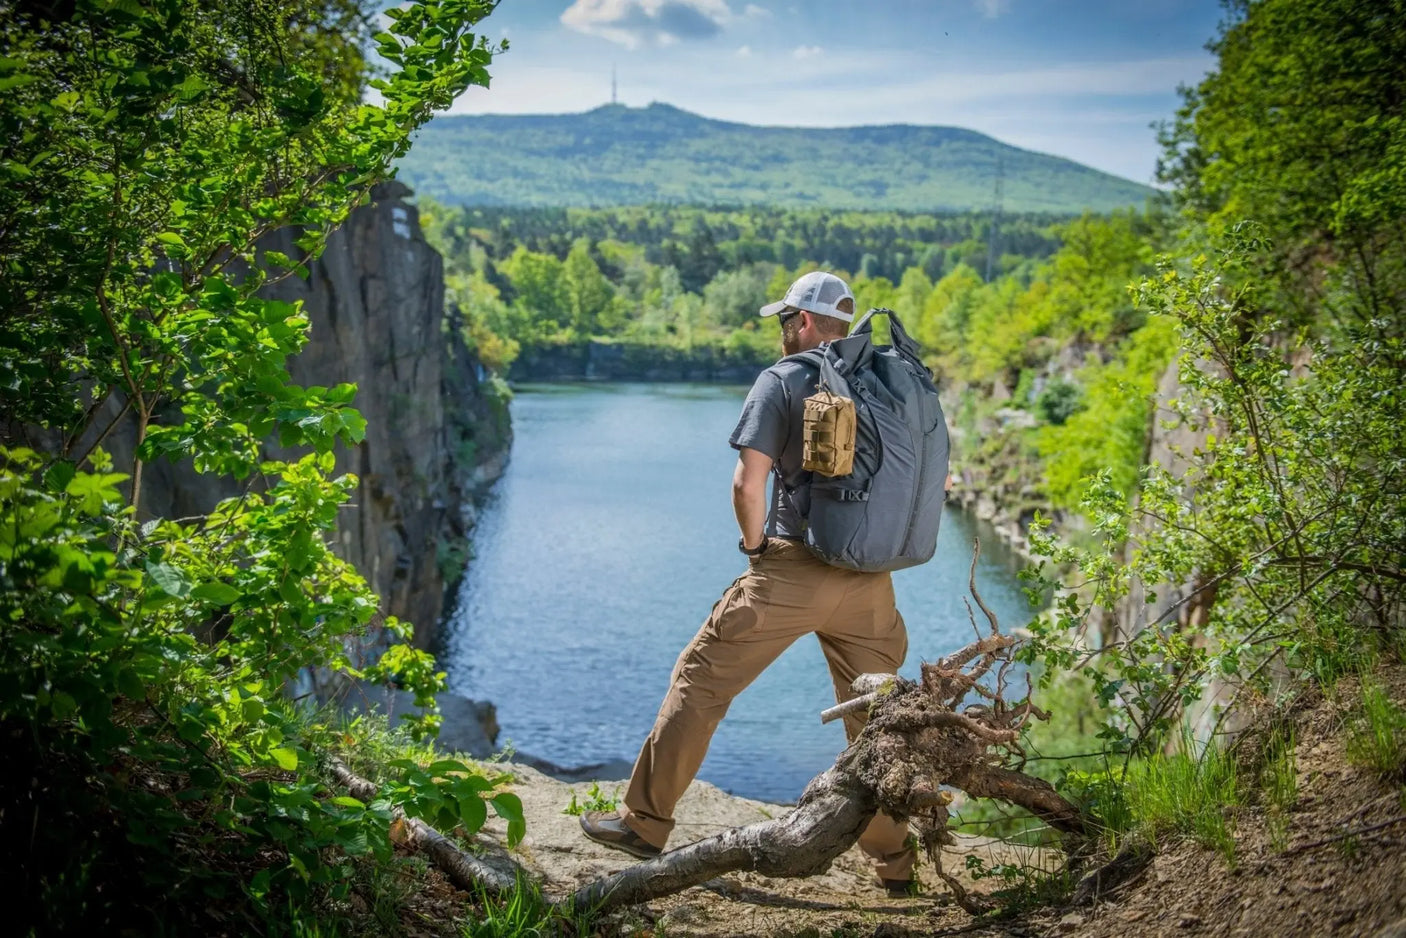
[{"x": 817, "y": 308}]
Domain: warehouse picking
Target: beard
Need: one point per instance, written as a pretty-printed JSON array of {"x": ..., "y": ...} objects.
[{"x": 790, "y": 341}]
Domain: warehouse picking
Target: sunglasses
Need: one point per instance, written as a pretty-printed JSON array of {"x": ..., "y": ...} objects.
[{"x": 784, "y": 318}]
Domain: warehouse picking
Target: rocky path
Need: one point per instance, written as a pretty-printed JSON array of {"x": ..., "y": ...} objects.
[{"x": 847, "y": 900}]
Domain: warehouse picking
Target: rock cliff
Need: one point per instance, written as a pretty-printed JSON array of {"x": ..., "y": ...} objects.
[{"x": 436, "y": 432}]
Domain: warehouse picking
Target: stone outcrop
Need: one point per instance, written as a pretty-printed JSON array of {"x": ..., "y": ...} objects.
[
  {"x": 436, "y": 432},
  {"x": 435, "y": 435},
  {"x": 1168, "y": 448}
]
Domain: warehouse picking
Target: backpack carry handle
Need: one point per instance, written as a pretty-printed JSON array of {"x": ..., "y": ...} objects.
[{"x": 901, "y": 340}]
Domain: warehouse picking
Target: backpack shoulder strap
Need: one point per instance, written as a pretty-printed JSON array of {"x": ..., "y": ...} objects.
[{"x": 823, "y": 358}]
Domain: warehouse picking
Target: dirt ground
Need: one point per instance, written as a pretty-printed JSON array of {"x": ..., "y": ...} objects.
[{"x": 1336, "y": 867}]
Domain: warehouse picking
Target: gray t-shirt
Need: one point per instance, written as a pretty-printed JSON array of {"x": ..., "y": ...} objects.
[{"x": 771, "y": 423}]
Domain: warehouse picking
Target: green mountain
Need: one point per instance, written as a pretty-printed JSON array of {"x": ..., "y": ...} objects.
[{"x": 616, "y": 155}]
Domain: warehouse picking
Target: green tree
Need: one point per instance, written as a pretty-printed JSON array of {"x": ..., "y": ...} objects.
[
  {"x": 1302, "y": 128},
  {"x": 733, "y": 297},
  {"x": 149, "y": 149},
  {"x": 913, "y": 292},
  {"x": 589, "y": 296},
  {"x": 539, "y": 283},
  {"x": 1090, "y": 273},
  {"x": 947, "y": 311}
]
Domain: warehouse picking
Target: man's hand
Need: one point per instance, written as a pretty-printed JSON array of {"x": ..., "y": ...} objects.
[{"x": 749, "y": 494}]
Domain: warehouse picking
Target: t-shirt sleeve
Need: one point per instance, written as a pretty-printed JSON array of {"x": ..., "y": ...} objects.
[{"x": 764, "y": 424}]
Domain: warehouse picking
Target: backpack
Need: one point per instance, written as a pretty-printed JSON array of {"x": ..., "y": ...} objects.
[{"x": 884, "y": 514}]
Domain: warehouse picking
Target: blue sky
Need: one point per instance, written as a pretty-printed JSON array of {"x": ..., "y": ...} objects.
[{"x": 1082, "y": 80}]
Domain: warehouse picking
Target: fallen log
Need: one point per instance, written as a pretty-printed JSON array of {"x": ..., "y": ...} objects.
[{"x": 464, "y": 870}]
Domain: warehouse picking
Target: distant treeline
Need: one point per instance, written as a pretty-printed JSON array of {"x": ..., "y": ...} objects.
[{"x": 700, "y": 242}]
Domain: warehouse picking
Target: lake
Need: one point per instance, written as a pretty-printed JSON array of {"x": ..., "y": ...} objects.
[{"x": 601, "y": 551}]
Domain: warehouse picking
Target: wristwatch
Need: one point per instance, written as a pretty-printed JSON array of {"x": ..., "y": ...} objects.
[{"x": 755, "y": 551}]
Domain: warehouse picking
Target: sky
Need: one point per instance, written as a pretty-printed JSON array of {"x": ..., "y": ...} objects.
[{"x": 1083, "y": 79}]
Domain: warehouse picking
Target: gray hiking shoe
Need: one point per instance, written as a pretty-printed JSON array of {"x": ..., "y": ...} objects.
[
  {"x": 901, "y": 888},
  {"x": 609, "y": 828}
]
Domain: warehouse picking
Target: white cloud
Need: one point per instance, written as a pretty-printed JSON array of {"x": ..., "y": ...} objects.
[
  {"x": 992, "y": 8},
  {"x": 743, "y": 52},
  {"x": 635, "y": 23},
  {"x": 753, "y": 11},
  {"x": 806, "y": 52}
]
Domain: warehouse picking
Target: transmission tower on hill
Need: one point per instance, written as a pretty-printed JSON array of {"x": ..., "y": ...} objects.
[
  {"x": 995, "y": 217},
  {"x": 613, "y": 99}
]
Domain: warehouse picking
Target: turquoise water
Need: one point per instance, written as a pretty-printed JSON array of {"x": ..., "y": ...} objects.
[{"x": 601, "y": 551}]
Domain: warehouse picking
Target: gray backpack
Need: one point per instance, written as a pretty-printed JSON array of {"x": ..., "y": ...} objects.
[{"x": 885, "y": 514}]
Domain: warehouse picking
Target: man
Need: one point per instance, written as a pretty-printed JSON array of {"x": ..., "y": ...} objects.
[{"x": 786, "y": 593}]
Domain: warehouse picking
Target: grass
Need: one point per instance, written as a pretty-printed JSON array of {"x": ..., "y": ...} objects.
[
  {"x": 1185, "y": 794},
  {"x": 1376, "y": 734},
  {"x": 1279, "y": 782},
  {"x": 1023, "y": 885},
  {"x": 524, "y": 913}
]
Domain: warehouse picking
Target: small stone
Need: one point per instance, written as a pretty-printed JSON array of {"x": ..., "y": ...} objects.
[
  {"x": 1071, "y": 921},
  {"x": 1189, "y": 921}
]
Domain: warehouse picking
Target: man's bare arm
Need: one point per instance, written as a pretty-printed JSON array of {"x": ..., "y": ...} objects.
[{"x": 749, "y": 494}]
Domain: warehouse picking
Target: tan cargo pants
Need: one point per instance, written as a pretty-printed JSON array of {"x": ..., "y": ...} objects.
[{"x": 785, "y": 594}]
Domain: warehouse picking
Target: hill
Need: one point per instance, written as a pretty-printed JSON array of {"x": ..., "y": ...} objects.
[{"x": 616, "y": 155}]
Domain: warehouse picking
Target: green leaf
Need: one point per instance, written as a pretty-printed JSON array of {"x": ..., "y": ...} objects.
[
  {"x": 171, "y": 580},
  {"x": 59, "y": 475},
  {"x": 300, "y": 551},
  {"x": 509, "y": 807},
  {"x": 170, "y": 237},
  {"x": 473, "y": 812},
  {"x": 130, "y": 684},
  {"x": 221, "y": 594},
  {"x": 287, "y": 759},
  {"x": 354, "y": 426},
  {"x": 63, "y": 705},
  {"x": 445, "y": 766},
  {"x": 11, "y": 82}
]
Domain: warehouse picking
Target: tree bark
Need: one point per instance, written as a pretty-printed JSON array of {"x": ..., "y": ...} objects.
[{"x": 464, "y": 870}]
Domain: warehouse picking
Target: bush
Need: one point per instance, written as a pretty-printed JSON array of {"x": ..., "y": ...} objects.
[
  {"x": 153, "y": 763},
  {"x": 1058, "y": 402}
]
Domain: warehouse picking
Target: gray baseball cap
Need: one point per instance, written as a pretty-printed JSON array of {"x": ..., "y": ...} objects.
[{"x": 815, "y": 292}]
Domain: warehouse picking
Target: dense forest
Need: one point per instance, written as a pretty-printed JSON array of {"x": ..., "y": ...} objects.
[
  {"x": 1206, "y": 393},
  {"x": 1054, "y": 326},
  {"x": 687, "y": 279},
  {"x": 616, "y": 155}
]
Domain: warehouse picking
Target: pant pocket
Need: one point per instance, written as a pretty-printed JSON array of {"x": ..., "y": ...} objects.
[{"x": 740, "y": 611}]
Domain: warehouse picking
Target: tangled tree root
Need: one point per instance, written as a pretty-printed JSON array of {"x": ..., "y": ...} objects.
[{"x": 917, "y": 740}]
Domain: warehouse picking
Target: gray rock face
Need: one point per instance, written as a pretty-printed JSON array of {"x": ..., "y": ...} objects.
[
  {"x": 469, "y": 727},
  {"x": 1168, "y": 447},
  {"x": 435, "y": 434},
  {"x": 375, "y": 300}
]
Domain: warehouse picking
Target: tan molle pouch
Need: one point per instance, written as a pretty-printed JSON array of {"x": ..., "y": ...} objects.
[{"x": 828, "y": 434}]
